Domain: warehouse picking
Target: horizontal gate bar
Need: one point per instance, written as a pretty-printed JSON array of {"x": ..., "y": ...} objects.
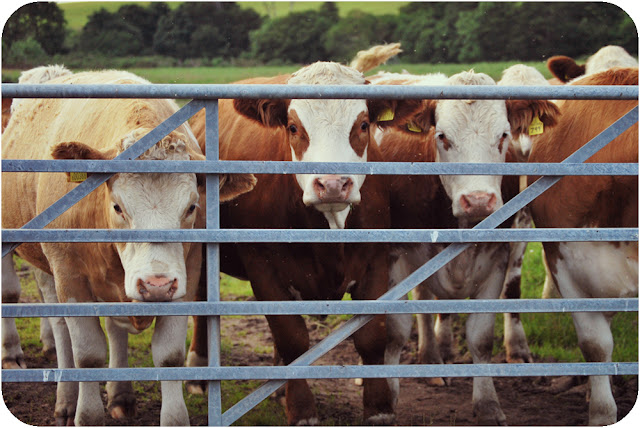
[
  {"x": 217, "y": 91},
  {"x": 286, "y": 167},
  {"x": 321, "y": 235},
  {"x": 319, "y": 372},
  {"x": 315, "y": 307}
]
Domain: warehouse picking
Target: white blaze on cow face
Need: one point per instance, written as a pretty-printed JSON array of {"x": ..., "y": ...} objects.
[
  {"x": 473, "y": 131},
  {"x": 329, "y": 131},
  {"x": 154, "y": 271}
]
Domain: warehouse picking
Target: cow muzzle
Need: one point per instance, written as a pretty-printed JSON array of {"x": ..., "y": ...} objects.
[
  {"x": 478, "y": 204},
  {"x": 157, "y": 288},
  {"x": 332, "y": 189}
]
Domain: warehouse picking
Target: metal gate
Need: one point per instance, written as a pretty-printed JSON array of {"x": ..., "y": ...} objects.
[{"x": 206, "y": 96}]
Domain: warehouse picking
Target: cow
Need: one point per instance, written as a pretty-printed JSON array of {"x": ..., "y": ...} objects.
[
  {"x": 301, "y": 130},
  {"x": 565, "y": 69},
  {"x": 99, "y": 129},
  {"x": 456, "y": 131},
  {"x": 592, "y": 269}
]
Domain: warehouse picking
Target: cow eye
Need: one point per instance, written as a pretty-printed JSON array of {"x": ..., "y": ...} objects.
[
  {"x": 293, "y": 129},
  {"x": 117, "y": 208},
  {"x": 364, "y": 126},
  {"x": 191, "y": 209},
  {"x": 505, "y": 136}
]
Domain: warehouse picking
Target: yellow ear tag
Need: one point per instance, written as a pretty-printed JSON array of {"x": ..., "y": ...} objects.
[
  {"x": 386, "y": 115},
  {"x": 413, "y": 127},
  {"x": 536, "y": 127},
  {"x": 77, "y": 177}
]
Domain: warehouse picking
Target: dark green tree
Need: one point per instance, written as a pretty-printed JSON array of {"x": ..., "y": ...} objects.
[
  {"x": 42, "y": 21},
  {"x": 145, "y": 19},
  {"x": 357, "y": 31},
  {"x": 213, "y": 29},
  {"x": 109, "y": 34},
  {"x": 295, "y": 38}
]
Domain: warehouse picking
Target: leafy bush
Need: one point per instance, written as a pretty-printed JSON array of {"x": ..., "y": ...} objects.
[
  {"x": 107, "y": 33},
  {"x": 26, "y": 53}
]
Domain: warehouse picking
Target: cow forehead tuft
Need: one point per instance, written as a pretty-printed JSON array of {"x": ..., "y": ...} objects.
[
  {"x": 171, "y": 147},
  {"x": 326, "y": 73}
]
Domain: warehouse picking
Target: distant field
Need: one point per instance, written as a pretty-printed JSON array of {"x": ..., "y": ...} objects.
[
  {"x": 197, "y": 75},
  {"x": 77, "y": 13}
]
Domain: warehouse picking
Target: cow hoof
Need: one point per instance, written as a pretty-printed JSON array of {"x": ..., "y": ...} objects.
[
  {"x": 122, "y": 406},
  {"x": 50, "y": 354},
  {"x": 14, "y": 363},
  {"x": 436, "y": 381},
  {"x": 64, "y": 417},
  {"x": 308, "y": 422},
  {"x": 381, "y": 419},
  {"x": 358, "y": 381},
  {"x": 489, "y": 413},
  {"x": 519, "y": 358},
  {"x": 196, "y": 387}
]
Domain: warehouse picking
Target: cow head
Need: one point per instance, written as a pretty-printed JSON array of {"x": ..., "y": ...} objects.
[
  {"x": 153, "y": 271},
  {"x": 328, "y": 131},
  {"x": 478, "y": 131}
]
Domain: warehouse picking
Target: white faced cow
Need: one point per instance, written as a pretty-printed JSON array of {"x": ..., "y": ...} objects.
[
  {"x": 456, "y": 131},
  {"x": 111, "y": 272},
  {"x": 299, "y": 130}
]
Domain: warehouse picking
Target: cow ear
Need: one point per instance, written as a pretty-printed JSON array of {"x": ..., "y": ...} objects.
[
  {"x": 270, "y": 113},
  {"x": 564, "y": 68},
  {"x": 413, "y": 116},
  {"x": 73, "y": 150},
  {"x": 522, "y": 113},
  {"x": 396, "y": 113},
  {"x": 234, "y": 185}
]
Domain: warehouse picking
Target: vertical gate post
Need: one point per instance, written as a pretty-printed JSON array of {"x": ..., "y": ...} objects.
[{"x": 213, "y": 260}]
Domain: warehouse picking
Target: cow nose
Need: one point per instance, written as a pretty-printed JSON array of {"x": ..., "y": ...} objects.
[
  {"x": 157, "y": 288},
  {"x": 478, "y": 204},
  {"x": 332, "y": 188}
]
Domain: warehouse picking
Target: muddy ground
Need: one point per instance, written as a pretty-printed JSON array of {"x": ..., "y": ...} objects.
[{"x": 525, "y": 401}]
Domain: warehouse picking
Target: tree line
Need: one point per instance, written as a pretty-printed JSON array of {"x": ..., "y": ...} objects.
[{"x": 430, "y": 32}]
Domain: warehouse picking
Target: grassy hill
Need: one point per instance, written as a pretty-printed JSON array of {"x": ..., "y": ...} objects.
[{"x": 77, "y": 13}]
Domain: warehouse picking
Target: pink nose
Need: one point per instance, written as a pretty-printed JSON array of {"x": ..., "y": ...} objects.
[
  {"x": 478, "y": 204},
  {"x": 157, "y": 288},
  {"x": 332, "y": 188}
]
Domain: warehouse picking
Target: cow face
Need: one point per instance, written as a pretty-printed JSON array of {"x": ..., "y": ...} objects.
[
  {"x": 328, "y": 131},
  {"x": 152, "y": 271},
  {"x": 478, "y": 131}
]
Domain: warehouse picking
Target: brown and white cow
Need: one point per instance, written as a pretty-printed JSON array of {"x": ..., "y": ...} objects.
[
  {"x": 592, "y": 269},
  {"x": 456, "y": 131},
  {"x": 300, "y": 130},
  {"x": 111, "y": 272},
  {"x": 565, "y": 69}
]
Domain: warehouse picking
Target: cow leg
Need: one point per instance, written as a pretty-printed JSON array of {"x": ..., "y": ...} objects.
[
  {"x": 515, "y": 340},
  {"x": 291, "y": 339},
  {"x": 46, "y": 331},
  {"x": 67, "y": 392},
  {"x": 198, "y": 355},
  {"x": 596, "y": 342},
  {"x": 429, "y": 350},
  {"x": 486, "y": 406},
  {"x": 12, "y": 355},
  {"x": 121, "y": 401},
  {"x": 168, "y": 348},
  {"x": 398, "y": 332},
  {"x": 89, "y": 351},
  {"x": 370, "y": 342}
]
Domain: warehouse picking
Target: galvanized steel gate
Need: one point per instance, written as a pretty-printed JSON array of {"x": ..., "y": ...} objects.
[{"x": 206, "y": 96}]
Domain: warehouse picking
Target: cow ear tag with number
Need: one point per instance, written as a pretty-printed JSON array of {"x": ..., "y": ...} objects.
[
  {"x": 76, "y": 177},
  {"x": 536, "y": 127}
]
